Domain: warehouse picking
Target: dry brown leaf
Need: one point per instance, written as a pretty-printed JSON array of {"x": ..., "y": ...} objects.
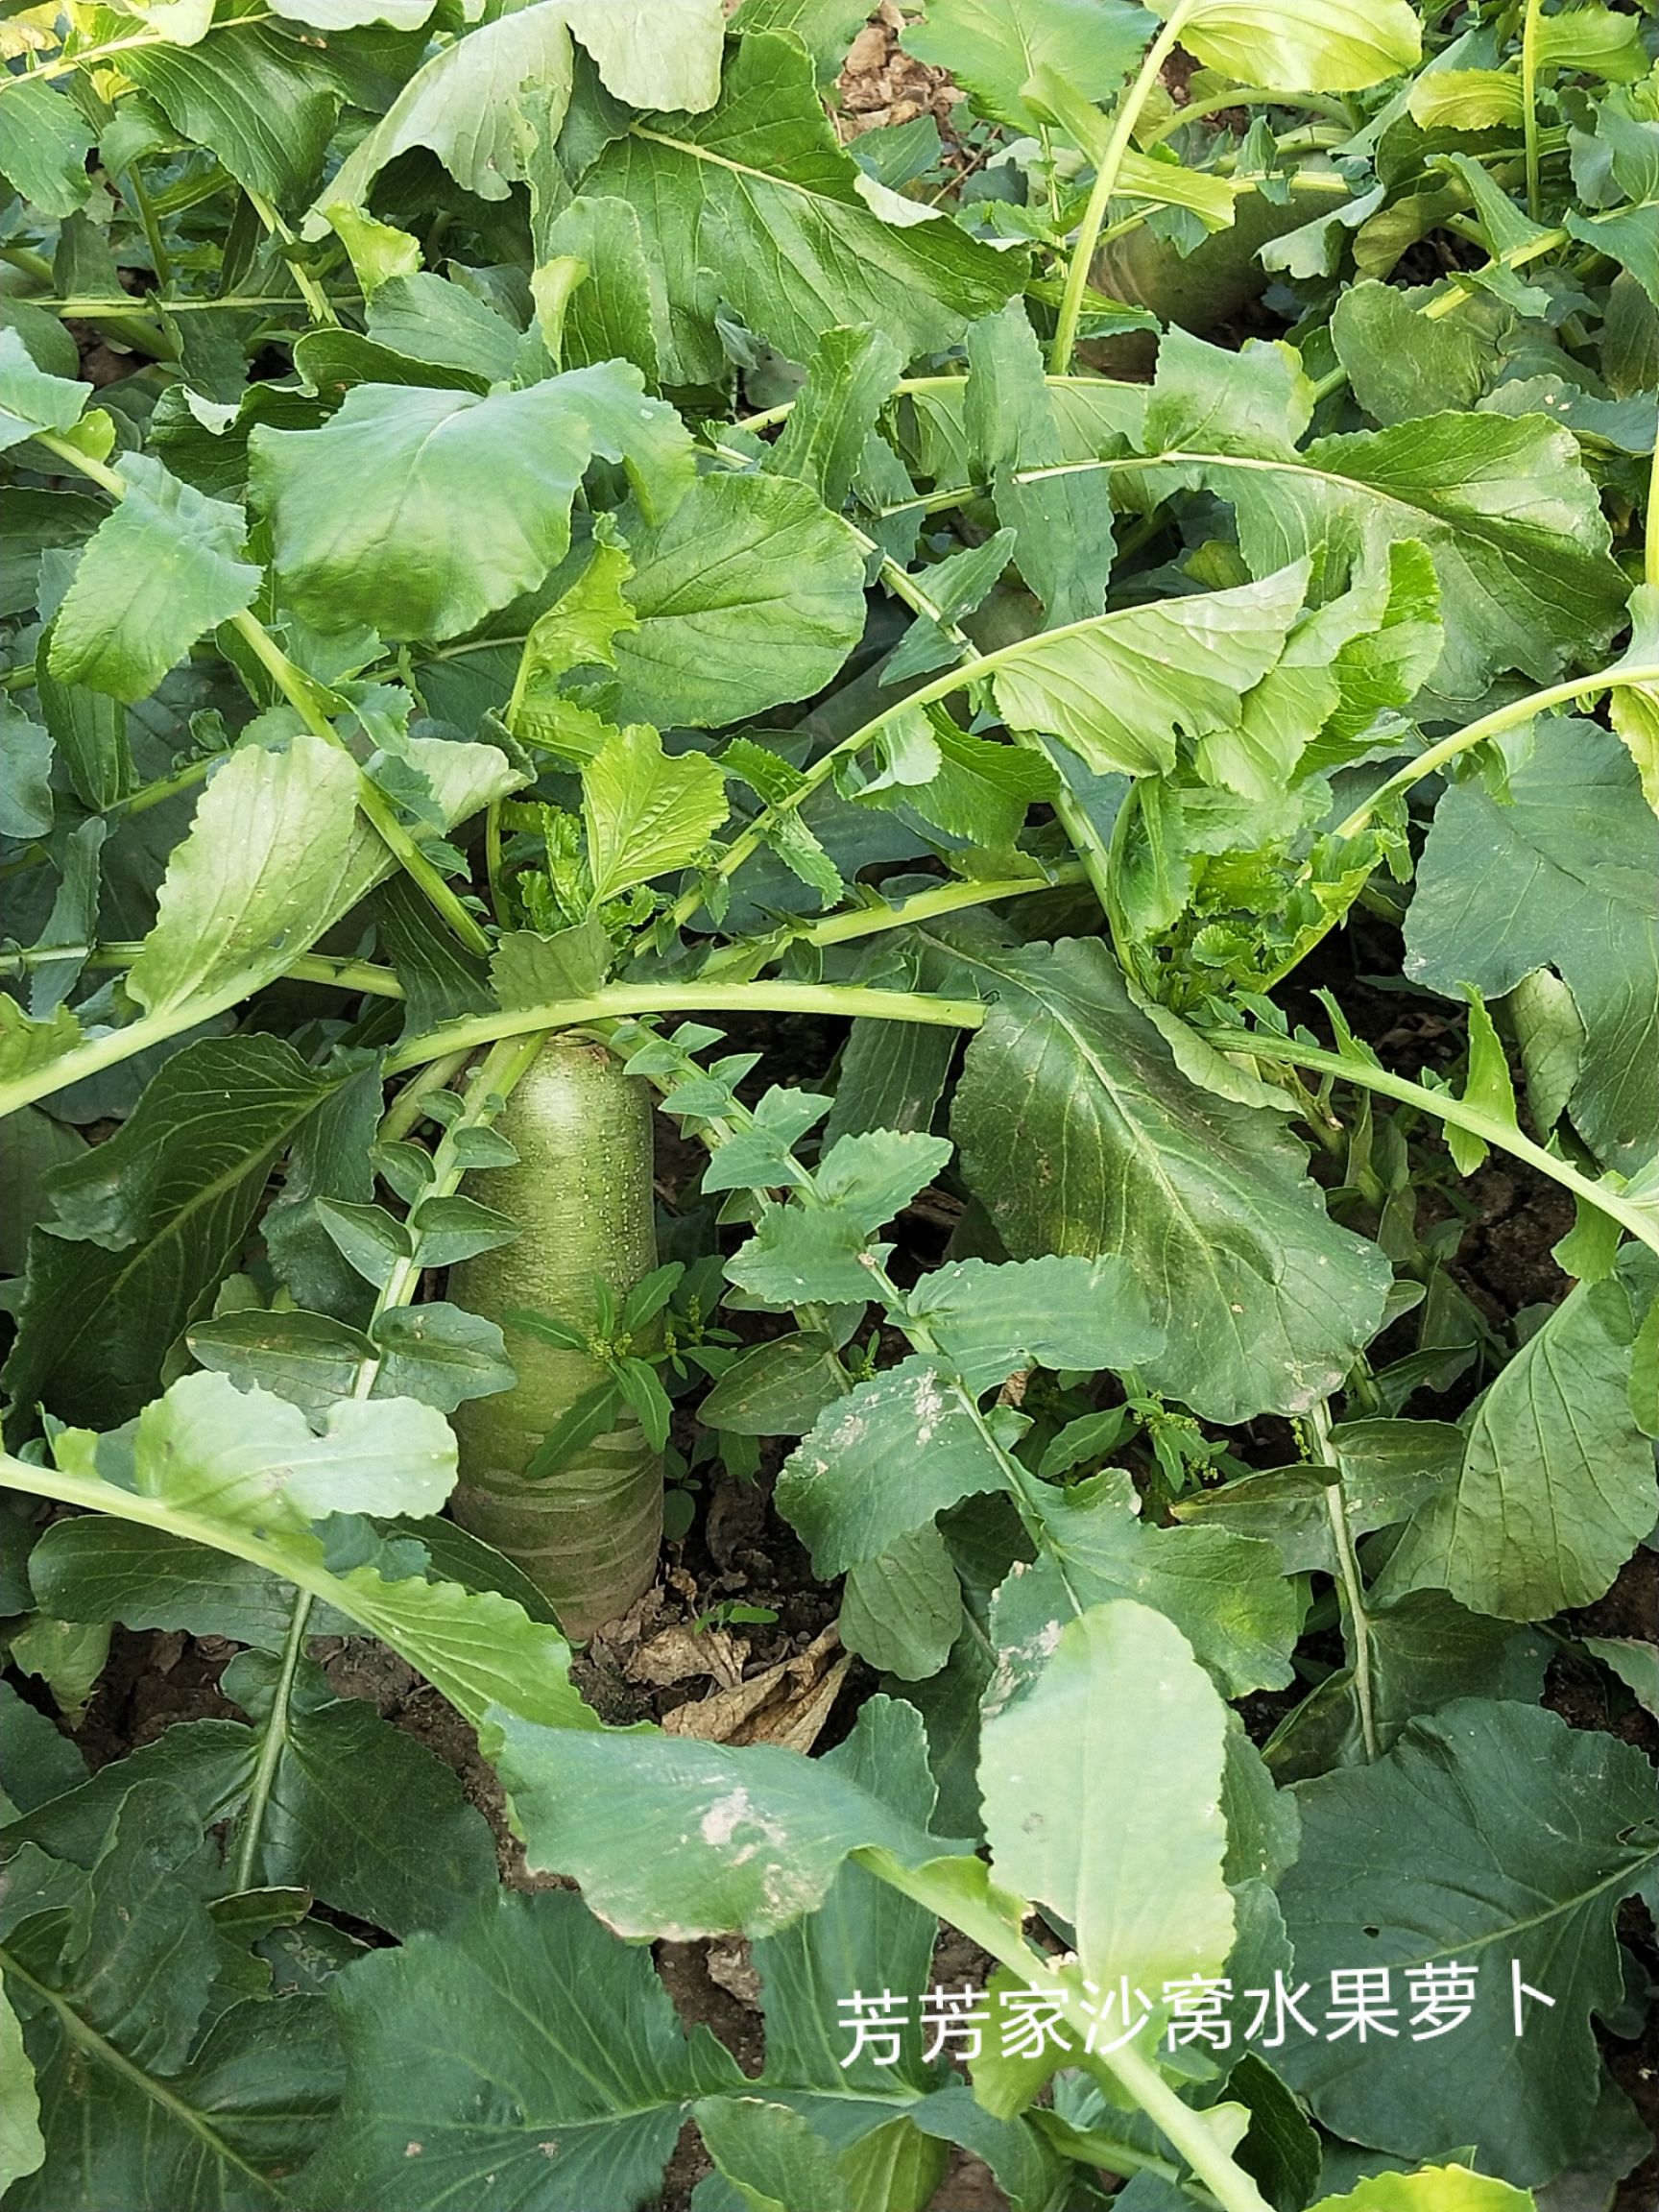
[
  {"x": 868, "y": 52},
  {"x": 682, "y": 1653},
  {"x": 786, "y": 1704},
  {"x": 634, "y": 1625},
  {"x": 731, "y": 1969}
]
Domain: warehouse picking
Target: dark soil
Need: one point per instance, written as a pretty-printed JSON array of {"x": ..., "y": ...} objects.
[{"x": 153, "y": 1677}]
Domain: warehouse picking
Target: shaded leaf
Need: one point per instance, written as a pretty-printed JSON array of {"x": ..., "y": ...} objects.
[
  {"x": 525, "y": 2048},
  {"x": 258, "y": 96},
  {"x": 1558, "y": 1486},
  {"x": 903, "y": 1610},
  {"x": 864, "y": 1935},
  {"x": 89, "y": 730},
  {"x": 421, "y": 318},
  {"x": 773, "y": 2156},
  {"x": 147, "y": 1225},
  {"x": 359, "y": 1812},
  {"x": 1225, "y": 1593},
  {"x": 439, "y": 1354},
  {"x": 95, "y": 1569},
  {"x": 38, "y": 1761},
  {"x": 1556, "y": 873},
  {"x": 329, "y": 1159},
  {"x": 616, "y": 313},
  {"x": 369, "y": 1238},
  {"x": 1062, "y": 524},
  {"x": 199, "y": 2107},
  {"x": 1403, "y": 364},
  {"x": 26, "y": 766},
  {"x": 1425, "y": 1652},
  {"x": 775, "y": 1389},
  {"x": 756, "y": 204},
  {"x": 1388, "y": 1468},
  {"x": 852, "y": 374},
  {"x": 892, "y": 1075},
  {"x": 971, "y": 789},
  {"x": 1081, "y": 1135},
  {"x": 1496, "y": 1835}
]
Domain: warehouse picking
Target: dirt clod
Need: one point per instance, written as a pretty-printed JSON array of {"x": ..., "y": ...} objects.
[{"x": 880, "y": 85}]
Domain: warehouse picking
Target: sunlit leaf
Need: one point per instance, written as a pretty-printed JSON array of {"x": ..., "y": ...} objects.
[
  {"x": 756, "y": 204},
  {"x": 365, "y": 513},
  {"x": 1299, "y": 45}
]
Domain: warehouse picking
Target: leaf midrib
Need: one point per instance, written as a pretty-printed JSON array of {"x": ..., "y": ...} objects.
[
  {"x": 88, "y": 2038},
  {"x": 1497, "y": 531},
  {"x": 772, "y": 176},
  {"x": 219, "y": 1188},
  {"x": 1064, "y": 1017},
  {"x": 1622, "y": 1880}
]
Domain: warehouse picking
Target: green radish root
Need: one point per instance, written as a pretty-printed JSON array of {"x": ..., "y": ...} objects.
[{"x": 587, "y": 1535}]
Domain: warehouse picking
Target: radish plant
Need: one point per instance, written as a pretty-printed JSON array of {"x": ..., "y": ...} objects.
[
  {"x": 948, "y": 837},
  {"x": 584, "y": 1517}
]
